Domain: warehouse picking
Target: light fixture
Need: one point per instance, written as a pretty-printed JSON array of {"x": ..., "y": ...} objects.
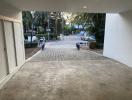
[{"x": 85, "y": 7}]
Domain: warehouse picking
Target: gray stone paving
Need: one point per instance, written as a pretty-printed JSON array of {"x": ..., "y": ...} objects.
[{"x": 59, "y": 54}]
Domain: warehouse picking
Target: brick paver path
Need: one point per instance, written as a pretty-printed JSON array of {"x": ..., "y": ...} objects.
[{"x": 60, "y": 54}]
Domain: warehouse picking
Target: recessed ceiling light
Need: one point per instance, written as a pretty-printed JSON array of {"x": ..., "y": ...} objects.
[{"x": 84, "y": 7}]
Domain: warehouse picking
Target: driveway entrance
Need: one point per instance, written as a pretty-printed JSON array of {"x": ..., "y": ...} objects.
[{"x": 60, "y": 72}]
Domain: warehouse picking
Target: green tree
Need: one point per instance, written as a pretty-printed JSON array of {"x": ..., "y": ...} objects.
[
  {"x": 40, "y": 19},
  {"x": 27, "y": 20},
  {"x": 99, "y": 28},
  {"x": 93, "y": 23}
]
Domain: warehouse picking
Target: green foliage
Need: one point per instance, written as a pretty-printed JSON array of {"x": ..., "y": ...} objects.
[
  {"x": 27, "y": 20},
  {"x": 53, "y": 36},
  {"x": 31, "y": 45},
  {"x": 93, "y": 23},
  {"x": 93, "y": 45},
  {"x": 35, "y": 19},
  {"x": 39, "y": 21},
  {"x": 68, "y": 29},
  {"x": 84, "y": 19}
]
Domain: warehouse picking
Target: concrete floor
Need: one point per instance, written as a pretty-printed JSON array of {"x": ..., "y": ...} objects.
[{"x": 68, "y": 74}]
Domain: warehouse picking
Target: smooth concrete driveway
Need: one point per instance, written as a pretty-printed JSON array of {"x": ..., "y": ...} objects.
[{"x": 68, "y": 74}]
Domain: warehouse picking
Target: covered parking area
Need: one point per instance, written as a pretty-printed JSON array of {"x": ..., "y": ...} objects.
[
  {"x": 117, "y": 45},
  {"x": 61, "y": 72}
]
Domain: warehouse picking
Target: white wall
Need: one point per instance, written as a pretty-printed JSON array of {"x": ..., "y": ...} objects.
[
  {"x": 3, "y": 64},
  {"x": 19, "y": 41},
  {"x": 11, "y": 41},
  {"x": 118, "y": 37},
  {"x": 10, "y": 45}
]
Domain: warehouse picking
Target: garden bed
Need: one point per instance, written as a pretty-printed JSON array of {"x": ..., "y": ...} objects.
[
  {"x": 99, "y": 51},
  {"x": 29, "y": 52}
]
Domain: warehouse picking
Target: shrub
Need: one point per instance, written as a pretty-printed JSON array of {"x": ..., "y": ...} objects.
[
  {"x": 46, "y": 36},
  {"x": 42, "y": 35},
  {"x": 100, "y": 45},
  {"x": 53, "y": 36},
  {"x": 29, "y": 45},
  {"x": 93, "y": 45}
]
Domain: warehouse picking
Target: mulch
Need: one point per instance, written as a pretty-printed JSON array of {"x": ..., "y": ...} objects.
[{"x": 29, "y": 52}]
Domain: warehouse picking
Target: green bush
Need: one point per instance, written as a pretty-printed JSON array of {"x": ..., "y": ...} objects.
[
  {"x": 53, "y": 36},
  {"x": 39, "y": 35},
  {"x": 93, "y": 45},
  {"x": 100, "y": 45},
  {"x": 42, "y": 35},
  {"x": 46, "y": 36},
  {"x": 29, "y": 45}
]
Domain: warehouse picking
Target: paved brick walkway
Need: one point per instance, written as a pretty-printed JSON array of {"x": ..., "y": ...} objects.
[{"x": 59, "y": 54}]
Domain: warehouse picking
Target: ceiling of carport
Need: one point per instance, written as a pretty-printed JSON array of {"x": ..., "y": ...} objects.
[{"x": 92, "y": 6}]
